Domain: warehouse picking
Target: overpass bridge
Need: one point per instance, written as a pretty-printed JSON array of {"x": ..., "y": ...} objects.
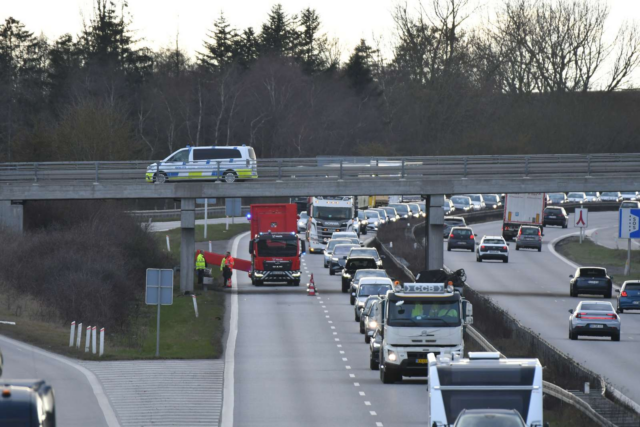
[{"x": 431, "y": 176}]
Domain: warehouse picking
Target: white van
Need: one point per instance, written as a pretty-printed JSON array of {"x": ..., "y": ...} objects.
[{"x": 205, "y": 163}]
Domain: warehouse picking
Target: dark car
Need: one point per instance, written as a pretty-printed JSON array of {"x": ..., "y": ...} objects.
[
  {"x": 27, "y": 403},
  {"x": 339, "y": 257},
  {"x": 629, "y": 296},
  {"x": 352, "y": 265},
  {"x": 450, "y": 222},
  {"x": 461, "y": 238},
  {"x": 492, "y": 201},
  {"x": 489, "y": 418},
  {"x": 591, "y": 280},
  {"x": 555, "y": 215},
  {"x": 529, "y": 237}
]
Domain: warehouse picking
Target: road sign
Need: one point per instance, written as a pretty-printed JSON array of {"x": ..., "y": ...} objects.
[
  {"x": 581, "y": 218},
  {"x": 629, "y": 226},
  {"x": 159, "y": 282},
  {"x": 233, "y": 207}
]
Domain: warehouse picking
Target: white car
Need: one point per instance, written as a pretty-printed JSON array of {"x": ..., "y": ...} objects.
[
  {"x": 611, "y": 196},
  {"x": 630, "y": 195},
  {"x": 477, "y": 201},
  {"x": 492, "y": 247},
  {"x": 557, "y": 198},
  {"x": 302, "y": 221},
  {"x": 576, "y": 197},
  {"x": 448, "y": 207},
  {"x": 373, "y": 218},
  {"x": 592, "y": 196},
  {"x": 462, "y": 203}
]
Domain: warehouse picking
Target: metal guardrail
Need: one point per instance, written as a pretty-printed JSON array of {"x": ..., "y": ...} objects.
[
  {"x": 341, "y": 169},
  {"x": 212, "y": 212}
]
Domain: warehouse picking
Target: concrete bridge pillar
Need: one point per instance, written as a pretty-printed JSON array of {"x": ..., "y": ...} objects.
[
  {"x": 435, "y": 226},
  {"x": 188, "y": 244},
  {"x": 12, "y": 215}
]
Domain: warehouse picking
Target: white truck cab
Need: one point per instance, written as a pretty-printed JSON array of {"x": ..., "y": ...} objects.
[
  {"x": 484, "y": 380},
  {"x": 420, "y": 318},
  {"x": 328, "y": 215}
]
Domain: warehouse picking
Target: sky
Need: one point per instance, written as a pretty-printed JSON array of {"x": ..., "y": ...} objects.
[{"x": 158, "y": 21}]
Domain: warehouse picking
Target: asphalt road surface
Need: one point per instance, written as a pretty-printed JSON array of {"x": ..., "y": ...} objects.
[
  {"x": 534, "y": 287},
  {"x": 300, "y": 360}
]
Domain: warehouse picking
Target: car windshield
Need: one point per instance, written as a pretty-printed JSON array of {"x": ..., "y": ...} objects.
[
  {"x": 576, "y": 195},
  {"x": 490, "y": 420},
  {"x": 357, "y": 264},
  {"x": 414, "y": 208},
  {"x": 593, "y": 272},
  {"x": 371, "y": 214},
  {"x": 530, "y": 231},
  {"x": 454, "y": 222},
  {"x": 390, "y": 211},
  {"x": 303, "y": 215},
  {"x": 461, "y": 201},
  {"x": 475, "y": 198},
  {"x": 632, "y": 287},
  {"x": 556, "y": 196},
  {"x": 490, "y": 197},
  {"x": 332, "y": 243},
  {"x": 629, "y": 193},
  {"x": 462, "y": 232},
  {"x": 401, "y": 209},
  {"x": 369, "y": 273},
  {"x": 278, "y": 247},
  {"x": 591, "y": 193},
  {"x": 424, "y": 313},
  {"x": 342, "y": 249},
  {"x": 382, "y": 213},
  {"x": 493, "y": 242},
  {"x": 553, "y": 211},
  {"x": 596, "y": 307},
  {"x": 331, "y": 213},
  {"x": 364, "y": 252},
  {"x": 610, "y": 194},
  {"x": 344, "y": 235},
  {"x": 373, "y": 289}
]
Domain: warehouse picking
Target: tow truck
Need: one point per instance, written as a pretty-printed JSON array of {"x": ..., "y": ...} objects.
[{"x": 420, "y": 318}]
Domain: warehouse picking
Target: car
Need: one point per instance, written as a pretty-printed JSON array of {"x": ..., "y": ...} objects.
[
  {"x": 360, "y": 274},
  {"x": 576, "y": 197},
  {"x": 448, "y": 207},
  {"x": 384, "y": 218},
  {"x": 461, "y": 238},
  {"x": 302, "y": 221},
  {"x": 630, "y": 195},
  {"x": 391, "y": 213},
  {"x": 557, "y": 198},
  {"x": 492, "y": 201},
  {"x": 462, "y": 203},
  {"x": 591, "y": 280},
  {"x": 402, "y": 209},
  {"x": 477, "y": 201},
  {"x": 594, "y": 318},
  {"x": 370, "y": 286},
  {"x": 611, "y": 196},
  {"x": 368, "y": 322},
  {"x": 492, "y": 247},
  {"x": 373, "y": 219},
  {"x": 353, "y": 264},
  {"x": 450, "y": 222},
  {"x": 27, "y": 403},
  {"x": 529, "y": 237},
  {"x": 555, "y": 215},
  {"x": 629, "y": 205},
  {"x": 489, "y": 418},
  {"x": 372, "y": 252},
  {"x": 362, "y": 222},
  {"x": 592, "y": 196},
  {"x": 416, "y": 211},
  {"x": 331, "y": 244},
  {"x": 339, "y": 257},
  {"x": 374, "y": 347},
  {"x": 344, "y": 235},
  {"x": 629, "y": 296},
  {"x": 226, "y": 163}
]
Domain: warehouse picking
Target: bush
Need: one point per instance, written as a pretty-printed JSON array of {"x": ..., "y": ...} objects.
[{"x": 86, "y": 262}]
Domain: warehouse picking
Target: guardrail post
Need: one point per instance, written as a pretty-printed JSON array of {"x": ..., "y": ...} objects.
[
  {"x": 526, "y": 166},
  {"x": 402, "y": 174},
  {"x": 589, "y": 165},
  {"x": 96, "y": 181},
  {"x": 279, "y": 170},
  {"x": 340, "y": 179},
  {"x": 35, "y": 173},
  {"x": 465, "y": 167},
  {"x": 218, "y": 178}
]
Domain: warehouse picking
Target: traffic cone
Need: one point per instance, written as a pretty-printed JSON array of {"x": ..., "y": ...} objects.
[{"x": 311, "y": 290}]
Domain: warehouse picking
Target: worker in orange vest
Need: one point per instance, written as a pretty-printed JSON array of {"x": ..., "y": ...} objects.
[{"x": 226, "y": 266}]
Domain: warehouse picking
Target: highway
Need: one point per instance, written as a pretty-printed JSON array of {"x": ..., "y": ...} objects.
[
  {"x": 534, "y": 287},
  {"x": 74, "y": 386},
  {"x": 300, "y": 360}
]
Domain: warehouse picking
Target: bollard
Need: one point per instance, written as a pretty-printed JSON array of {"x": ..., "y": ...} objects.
[
  {"x": 390, "y": 244},
  {"x": 87, "y": 340},
  {"x": 195, "y": 305},
  {"x": 210, "y": 246},
  {"x": 93, "y": 340},
  {"x": 73, "y": 331},
  {"x": 168, "y": 244},
  {"x": 587, "y": 388},
  {"x": 79, "y": 336},
  {"x": 101, "y": 342}
]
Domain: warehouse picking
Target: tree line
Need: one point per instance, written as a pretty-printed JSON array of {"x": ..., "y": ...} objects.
[{"x": 542, "y": 76}]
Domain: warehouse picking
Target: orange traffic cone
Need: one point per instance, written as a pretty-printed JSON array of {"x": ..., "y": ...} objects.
[{"x": 311, "y": 290}]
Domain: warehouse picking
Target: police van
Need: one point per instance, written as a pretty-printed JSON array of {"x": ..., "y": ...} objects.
[
  {"x": 483, "y": 381},
  {"x": 223, "y": 163}
]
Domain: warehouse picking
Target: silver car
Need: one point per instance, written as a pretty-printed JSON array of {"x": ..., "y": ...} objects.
[
  {"x": 302, "y": 221},
  {"x": 368, "y": 322},
  {"x": 576, "y": 197},
  {"x": 328, "y": 250},
  {"x": 611, "y": 196},
  {"x": 594, "y": 318},
  {"x": 361, "y": 274},
  {"x": 370, "y": 286},
  {"x": 462, "y": 203}
]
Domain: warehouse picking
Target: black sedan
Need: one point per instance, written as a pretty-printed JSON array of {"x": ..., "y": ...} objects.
[
  {"x": 554, "y": 215},
  {"x": 591, "y": 280}
]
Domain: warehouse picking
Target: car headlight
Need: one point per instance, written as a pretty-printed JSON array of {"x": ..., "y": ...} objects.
[
  {"x": 258, "y": 274},
  {"x": 375, "y": 344},
  {"x": 375, "y": 223},
  {"x": 296, "y": 274},
  {"x": 347, "y": 275},
  {"x": 373, "y": 324},
  {"x": 392, "y": 356},
  {"x": 334, "y": 259},
  {"x": 360, "y": 304}
]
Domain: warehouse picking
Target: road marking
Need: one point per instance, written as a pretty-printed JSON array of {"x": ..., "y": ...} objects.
[
  {"x": 356, "y": 384},
  {"x": 367, "y": 403},
  {"x": 229, "y": 354},
  {"x": 327, "y": 317},
  {"x": 379, "y": 425},
  {"x": 344, "y": 359},
  {"x": 337, "y": 339},
  {"x": 326, "y": 311},
  {"x": 330, "y": 321},
  {"x": 339, "y": 345},
  {"x": 348, "y": 367},
  {"x": 335, "y": 333},
  {"x": 341, "y": 351},
  {"x": 333, "y": 327},
  {"x": 352, "y": 375},
  {"x": 373, "y": 413},
  {"x": 324, "y": 306},
  {"x": 361, "y": 393}
]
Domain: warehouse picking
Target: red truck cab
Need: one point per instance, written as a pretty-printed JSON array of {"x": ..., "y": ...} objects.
[{"x": 275, "y": 247}]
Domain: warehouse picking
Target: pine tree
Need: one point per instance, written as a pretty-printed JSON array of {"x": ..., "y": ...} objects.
[
  {"x": 279, "y": 35},
  {"x": 221, "y": 46},
  {"x": 247, "y": 47},
  {"x": 310, "y": 42},
  {"x": 359, "y": 67}
]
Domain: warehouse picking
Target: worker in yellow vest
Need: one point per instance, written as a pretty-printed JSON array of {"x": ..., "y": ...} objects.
[
  {"x": 201, "y": 264},
  {"x": 226, "y": 266}
]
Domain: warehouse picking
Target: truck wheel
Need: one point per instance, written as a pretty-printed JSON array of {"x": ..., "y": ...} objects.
[
  {"x": 364, "y": 231},
  {"x": 615, "y": 337},
  {"x": 386, "y": 377},
  {"x": 448, "y": 248},
  {"x": 517, "y": 248}
]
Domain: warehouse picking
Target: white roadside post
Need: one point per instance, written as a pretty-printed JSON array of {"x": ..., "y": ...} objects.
[
  {"x": 93, "y": 340},
  {"x": 227, "y": 223},
  {"x": 168, "y": 244},
  {"x": 79, "y": 336},
  {"x": 87, "y": 340},
  {"x": 581, "y": 219},
  {"x": 210, "y": 246},
  {"x": 195, "y": 305},
  {"x": 629, "y": 228},
  {"x": 73, "y": 331},
  {"x": 101, "y": 342},
  {"x": 206, "y": 216}
]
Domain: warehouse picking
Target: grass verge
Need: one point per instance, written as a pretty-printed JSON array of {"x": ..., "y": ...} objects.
[{"x": 590, "y": 253}]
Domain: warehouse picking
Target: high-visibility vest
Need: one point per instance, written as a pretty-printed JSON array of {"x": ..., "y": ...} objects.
[
  {"x": 227, "y": 262},
  {"x": 200, "y": 262}
]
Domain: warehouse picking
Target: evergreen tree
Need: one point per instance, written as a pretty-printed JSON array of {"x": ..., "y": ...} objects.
[
  {"x": 221, "y": 46},
  {"x": 310, "y": 42},
  {"x": 279, "y": 34},
  {"x": 359, "y": 68},
  {"x": 64, "y": 63},
  {"x": 247, "y": 47}
]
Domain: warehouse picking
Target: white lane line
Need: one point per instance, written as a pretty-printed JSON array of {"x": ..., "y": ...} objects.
[
  {"x": 341, "y": 351},
  {"x": 337, "y": 339},
  {"x": 551, "y": 245},
  {"x": 229, "y": 354},
  {"x": 339, "y": 345},
  {"x": 348, "y": 367},
  {"x": 344, "y": 359},
  {"x": 326, "y": 311},
  {"x": 330, "y": 321},
  {"x": 373, "y": 413},
  {"x": 379, "y": 425},
  {"x": 335, "y": 333},
  {"x": 327, "y": 317},
  {"x": 367, "y": 403},
  {"x": 352, "y": 375},
  {"x": 101, "y": 397},
  {"x": 324, "y": 306},
  {"x": 356, "y": 384},
  {"x": 333, "y": 327},
  {"x": 361, "y": 393}
]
